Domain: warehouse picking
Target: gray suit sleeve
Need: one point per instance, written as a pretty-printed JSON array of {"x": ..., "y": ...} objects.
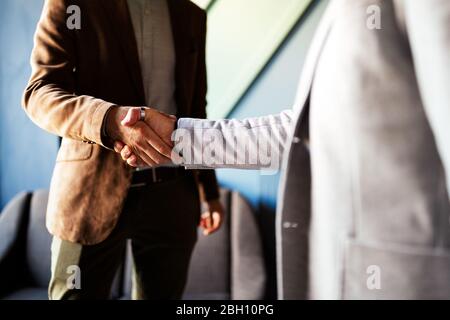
[
  {"x": 428, "y": 28},
  {"x": 253, "y": 143}
]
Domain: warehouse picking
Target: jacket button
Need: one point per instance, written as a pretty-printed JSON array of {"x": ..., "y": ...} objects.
[{"x": 296, "y": 140}]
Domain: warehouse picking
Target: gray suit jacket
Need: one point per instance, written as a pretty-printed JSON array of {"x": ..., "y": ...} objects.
[{"x": 364, "y": 209}]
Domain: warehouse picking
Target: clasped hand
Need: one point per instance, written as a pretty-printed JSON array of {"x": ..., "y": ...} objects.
[
  {"x": 147, "y": 142},
  {"x": 142, "y": 143}
]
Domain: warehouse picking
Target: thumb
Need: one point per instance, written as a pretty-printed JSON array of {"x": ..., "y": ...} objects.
[{"x": 132, "y": 117}]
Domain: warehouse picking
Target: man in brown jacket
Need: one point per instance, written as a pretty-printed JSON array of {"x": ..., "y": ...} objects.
[{"x": 124, "y": 53}]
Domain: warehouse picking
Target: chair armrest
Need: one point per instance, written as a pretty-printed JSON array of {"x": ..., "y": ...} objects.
[
  {"x": 248, "y": 270},
  {"x": 13, "y": 221}
]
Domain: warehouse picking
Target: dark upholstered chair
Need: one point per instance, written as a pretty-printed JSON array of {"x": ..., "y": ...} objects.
[
  {"x": 229, "y": 264},
  {"x": 226, "y": 265},
  {"x": 24, "y": 248}
]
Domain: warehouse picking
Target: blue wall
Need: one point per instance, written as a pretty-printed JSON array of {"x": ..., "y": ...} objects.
[
  {"x": 27, "y": 153},
  {"x": 273, "y": 91}
]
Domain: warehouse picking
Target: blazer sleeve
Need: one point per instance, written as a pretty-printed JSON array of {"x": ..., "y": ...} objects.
[
  {"x": 207, "y": 178},
  {"x": 253, "y": 143},
  {"x": 49, "y": 99},
  {"x": 428, "y": 28}
]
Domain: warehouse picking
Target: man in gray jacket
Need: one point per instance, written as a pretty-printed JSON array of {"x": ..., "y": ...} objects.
[{"x": 364, "y": 208}]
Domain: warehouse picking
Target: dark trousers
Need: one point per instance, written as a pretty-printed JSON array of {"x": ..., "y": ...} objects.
[{"x": 161, "y": 220}]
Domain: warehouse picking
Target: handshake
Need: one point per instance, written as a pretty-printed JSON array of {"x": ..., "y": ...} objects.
[{"x": 142, "y": 135}]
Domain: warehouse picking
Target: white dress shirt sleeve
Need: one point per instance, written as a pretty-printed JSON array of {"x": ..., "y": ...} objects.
[{"x": 253, "y": 143}]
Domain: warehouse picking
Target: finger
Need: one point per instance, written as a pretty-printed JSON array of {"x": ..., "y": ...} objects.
[
  {"x": 153, "y": 154},
  {"x": 155, "y": 141},
  {"x": 158, "y": 157},
  {"x": 126, "y": 153},
  {"x": 216, "y": 221},
  {"x": 136, "y": 162},
  {"x": 145, "y": 143},
  {"x": 132, "y": 161},
  {"x": 132, "y": 117},
  {"x": 118, "y": 146},
  {"x": 140, "y": 163},
  {"x": 148, "y": 161},
  {"x": 155, "y": 117},
  {"x": 203, "y": 219},
  {"x": 150, "y": 156},
  {"x": 207, "y": 223}
]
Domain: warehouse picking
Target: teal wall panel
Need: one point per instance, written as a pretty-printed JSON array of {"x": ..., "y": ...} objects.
[
  {"x": 242, "y": 37},
  {"x": 273, "y": 91}
]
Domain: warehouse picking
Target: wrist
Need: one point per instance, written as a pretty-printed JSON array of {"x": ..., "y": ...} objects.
[{"x": 113, "y": 122}]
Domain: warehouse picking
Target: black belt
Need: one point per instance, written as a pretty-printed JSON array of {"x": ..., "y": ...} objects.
[{"x": 145, "y": 177}]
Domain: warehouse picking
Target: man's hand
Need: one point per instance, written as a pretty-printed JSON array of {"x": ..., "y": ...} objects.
[
  {"x": 212, "y": 218},
  {"x": 148, "y": 142},
  {"x": 162, "y": 124}
]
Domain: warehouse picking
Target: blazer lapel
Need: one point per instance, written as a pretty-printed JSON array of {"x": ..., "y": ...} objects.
[
  {"x": 297, "y": 156},
  {"x": 118, "y": 14},
  {"x": 307, "y": 77}
]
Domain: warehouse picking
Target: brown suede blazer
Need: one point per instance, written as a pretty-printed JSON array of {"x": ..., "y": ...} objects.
[{"x": 78, "y": 75}]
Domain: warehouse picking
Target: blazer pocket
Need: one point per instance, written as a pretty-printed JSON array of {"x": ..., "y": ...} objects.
[
  {"x": 73, "y": 150},
  {"x": 392, "y": 271}
]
